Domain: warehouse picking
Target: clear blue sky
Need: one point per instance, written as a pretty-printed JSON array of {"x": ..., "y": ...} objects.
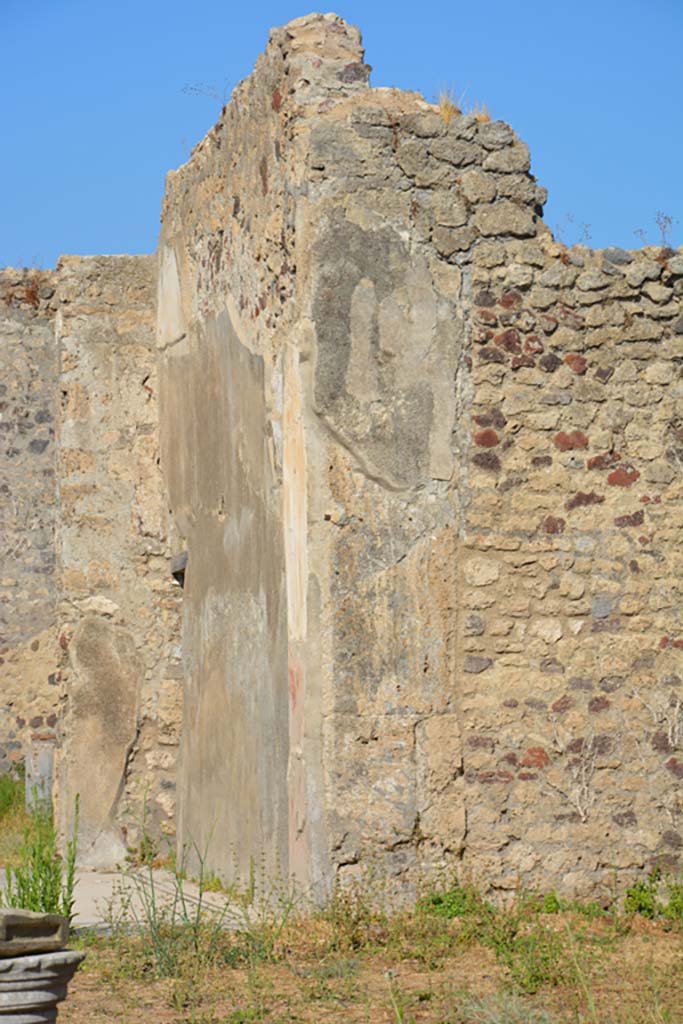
[{"x": 94, "y": 111}]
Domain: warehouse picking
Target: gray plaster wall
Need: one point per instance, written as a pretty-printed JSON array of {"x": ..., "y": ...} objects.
[{"x": 232, "y": 775}]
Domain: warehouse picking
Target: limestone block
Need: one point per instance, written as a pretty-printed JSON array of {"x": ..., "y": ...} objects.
[{"x": 505, "y": 218}]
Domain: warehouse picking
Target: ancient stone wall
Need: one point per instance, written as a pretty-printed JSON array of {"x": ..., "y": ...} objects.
[
  {"x": 424, "y": 470},
  {"x": 28, "y": 389},
  {"x": 571, "y": 629},
  {"x": 119, "y": 605},
  {"x": 438, "y": 454}
]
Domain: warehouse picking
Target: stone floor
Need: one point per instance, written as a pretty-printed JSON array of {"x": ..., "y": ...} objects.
[{"x": 104, "y": 898}]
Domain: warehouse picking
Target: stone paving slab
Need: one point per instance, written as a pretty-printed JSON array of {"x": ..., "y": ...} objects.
[{"x": 104, "y": 899}]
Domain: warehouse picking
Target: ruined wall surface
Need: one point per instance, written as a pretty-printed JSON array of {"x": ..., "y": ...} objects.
[
  {"x": 571, "y": 629},
  {"x": 427, "y": 464},
  {"x": 28, "y": 383},
  {"x": 119, "y": 605},
  {"x": 499, "y": 497}
]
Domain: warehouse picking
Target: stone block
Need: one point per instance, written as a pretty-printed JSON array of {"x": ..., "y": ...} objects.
[{"x": 22, "y": 931}]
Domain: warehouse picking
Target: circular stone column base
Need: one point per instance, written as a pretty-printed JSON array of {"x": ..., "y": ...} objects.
[{"x": 32, "y": 986}]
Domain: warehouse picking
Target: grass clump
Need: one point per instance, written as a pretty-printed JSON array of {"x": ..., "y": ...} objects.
[
  {"x": 455, "y": 901},
  {"x": 642, "y": 897},
  {"x": 448, "y": 106},
  {"x": 14, "y": 817}
]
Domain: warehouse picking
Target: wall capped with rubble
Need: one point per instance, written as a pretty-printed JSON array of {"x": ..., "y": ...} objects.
[{"x": 427, "y": 464}]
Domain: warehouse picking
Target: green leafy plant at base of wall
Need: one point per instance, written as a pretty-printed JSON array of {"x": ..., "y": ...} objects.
[{"x": 41, "y": 880}]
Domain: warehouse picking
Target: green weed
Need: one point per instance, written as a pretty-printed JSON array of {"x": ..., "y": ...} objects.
[
  {"x": 41, "y": 880},
  {"x": 11, "y": 794},
  {"x": 643, "y": 897},
  {"x": 456, "y": 901},
  {"x": 673, "y": 909}
]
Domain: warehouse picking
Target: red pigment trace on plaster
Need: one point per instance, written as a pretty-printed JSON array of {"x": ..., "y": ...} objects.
[
  {"x": 498, "y": 776},
  {"x": 564, "y": 703}
]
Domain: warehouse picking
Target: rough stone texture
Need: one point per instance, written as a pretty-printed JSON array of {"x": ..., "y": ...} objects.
[
  {"x": 23, "y": 931},
  {"x": 579, "y": 711},
  {"x": 28, "y": 384},
  {"x": 383, "y": 385},
  {"x": 119, "y": 605}
]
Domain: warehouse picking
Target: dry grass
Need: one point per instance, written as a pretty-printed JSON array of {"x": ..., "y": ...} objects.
[
  {"x": 448, "y": 106},
  {"x": 352, "y": 964},
  {"x": 480, "y": 112}
]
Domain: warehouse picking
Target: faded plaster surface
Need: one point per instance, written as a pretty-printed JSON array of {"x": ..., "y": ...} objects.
[{"x": 119, "y": 606}]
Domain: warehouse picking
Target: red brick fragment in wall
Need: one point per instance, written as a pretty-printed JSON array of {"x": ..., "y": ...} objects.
[
  {"x": 582, "y": 499},
  {"x": 603, "y": 461},
  {"x": 533, "y": 345},
  {"x": 624, "y": 476},
  {"x": 576, "y": 363},
  {"x": 535, "y": 757},
  {"x": 554, "y": 525},
  {"x": 568, "y": 442},
  {"x": 509, "y": 340},
  {"x": 634, "y": 519},
  {"x": 520, "y": 361},
  {"x": 486, "y": 438},
  {"x": 510, "y": 299},
  {"x": 277, "y": 100}
]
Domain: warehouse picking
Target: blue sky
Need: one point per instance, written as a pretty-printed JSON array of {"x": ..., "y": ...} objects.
[{"x": 95, "y": 111}]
